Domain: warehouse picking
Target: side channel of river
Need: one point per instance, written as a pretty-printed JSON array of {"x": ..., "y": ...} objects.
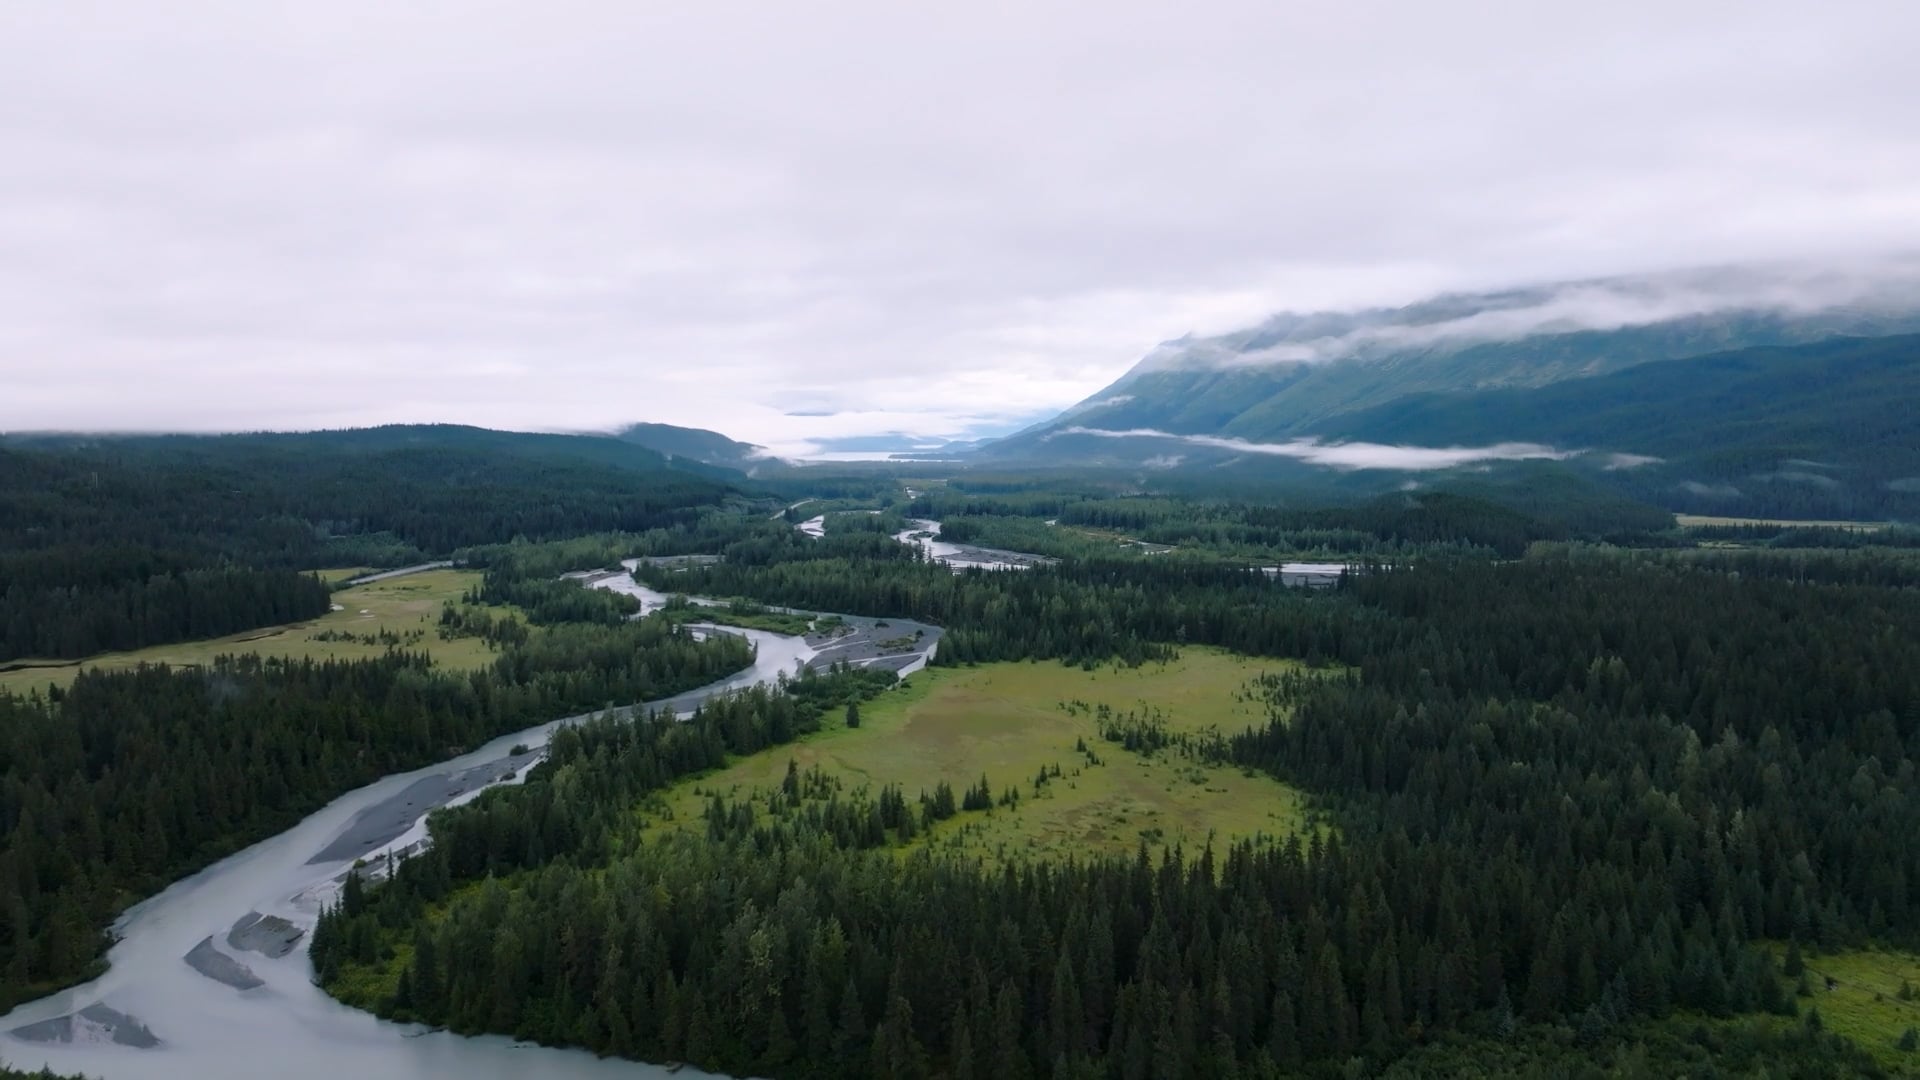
[{"x": 197, "y": 1021}]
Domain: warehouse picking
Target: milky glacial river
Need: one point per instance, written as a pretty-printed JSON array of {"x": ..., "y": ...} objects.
[
  {"x": 286, "y": 1027},
  {"x": 925, "y": 534}
]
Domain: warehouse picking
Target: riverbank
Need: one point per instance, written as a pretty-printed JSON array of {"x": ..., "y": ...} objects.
[
  {"x": 925, "y": 534},
  {"x": 177, "y": 974}
]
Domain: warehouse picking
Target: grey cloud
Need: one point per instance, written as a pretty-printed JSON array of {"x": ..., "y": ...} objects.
[
  {"x": 1350, "y": 455},
  {"x": 1709, "y": 491},
  {"x": 1628, "y": 461},
  {"x": 1886, "y": 284},
  {"x": 920, "y": 218},
  {"x": 1089, "y": 406},
  {"x": 1794, "y": 476}
]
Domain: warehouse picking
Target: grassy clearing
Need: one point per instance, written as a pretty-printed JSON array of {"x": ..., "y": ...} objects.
[
  {"x": 407, "y": 607},
  {"x": 1864, "y": 1004},
  {"x": 1009, "y": 721},
  {"x": 1691, "y": 521}
]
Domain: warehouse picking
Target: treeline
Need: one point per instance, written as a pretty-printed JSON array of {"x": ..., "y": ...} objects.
[
  {"x": 129, "y": 779},
  {"x": 81, "y": 619},
  {"x": 1086, "y": 610},
  {"x": 1881, "y": 567},
  {"x": 1782, "y": 536},
  {"x": 1761, "y": 1048},
  {"x": 110, "y": 544},
  {"x": 1384, "y": 526},
  {"x": 548, "y": 601}
]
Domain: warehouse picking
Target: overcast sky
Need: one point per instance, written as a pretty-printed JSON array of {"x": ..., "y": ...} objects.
[{"x": 887, "y": 216}]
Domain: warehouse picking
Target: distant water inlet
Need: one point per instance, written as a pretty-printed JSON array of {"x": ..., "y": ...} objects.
[{"x": 1307, "y": 574}]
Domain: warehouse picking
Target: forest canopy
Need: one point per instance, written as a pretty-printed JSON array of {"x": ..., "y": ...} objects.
[{"x": 115, "y": 544}]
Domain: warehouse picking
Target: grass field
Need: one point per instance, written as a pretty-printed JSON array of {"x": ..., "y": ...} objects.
[
  {"x": 1010, "y": 721},
  {"x": 1690, "y": 521},
  {"x": 1865, "y": 1004},
  {"x": 398, "y": 605}
]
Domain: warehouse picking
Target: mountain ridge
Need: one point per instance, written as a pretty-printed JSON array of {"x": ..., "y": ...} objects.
[{"x": 1295, "y": 375}]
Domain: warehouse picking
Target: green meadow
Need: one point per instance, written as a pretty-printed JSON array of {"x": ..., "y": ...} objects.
[
  {"x": 404, "y": 607},
  {"x": 1010, "y": 721}
]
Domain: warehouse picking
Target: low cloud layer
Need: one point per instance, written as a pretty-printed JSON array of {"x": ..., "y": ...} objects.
[
  {"x": 1349, "y": 455},
  {"x": 1709, "y": 491},
  {"x": 1886, "y": 286},
  {"x": 933, "y": 219}
]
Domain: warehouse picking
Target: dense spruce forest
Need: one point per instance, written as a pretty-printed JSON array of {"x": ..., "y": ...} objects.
[
  {"x": 130, "y": 779},
  {"x": 1576, "y": 792},
  {"x": 1578, "y": 797},
  {"x": 114, "y": 544}
]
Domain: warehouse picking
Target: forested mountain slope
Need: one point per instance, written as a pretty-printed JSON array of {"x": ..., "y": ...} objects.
[
  {"x": 1834, "y": 425},
  {"x": 1849, "y": 396},
  {"x": 1299, "y": 375}
]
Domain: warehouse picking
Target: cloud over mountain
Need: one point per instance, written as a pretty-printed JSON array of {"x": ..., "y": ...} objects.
[
  {"x": 1885, "y": 284},
  {"x": 1348, "y": 455}
]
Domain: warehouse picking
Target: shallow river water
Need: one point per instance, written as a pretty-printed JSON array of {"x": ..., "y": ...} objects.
[
  {"x": 925, "y": 534},
  {"x": 286, "y": 1027}
]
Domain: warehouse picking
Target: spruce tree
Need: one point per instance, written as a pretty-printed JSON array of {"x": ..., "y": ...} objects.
[{"x": 852, "y": 1031}]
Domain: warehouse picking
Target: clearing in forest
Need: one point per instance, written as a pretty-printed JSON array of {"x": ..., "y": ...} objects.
[
  {"x": 1690, "y": 521},
  {"x": 1012, "y": 721},
  {"x": 1866, "y": 1003},
  {"x": 407, "y": 608}
]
